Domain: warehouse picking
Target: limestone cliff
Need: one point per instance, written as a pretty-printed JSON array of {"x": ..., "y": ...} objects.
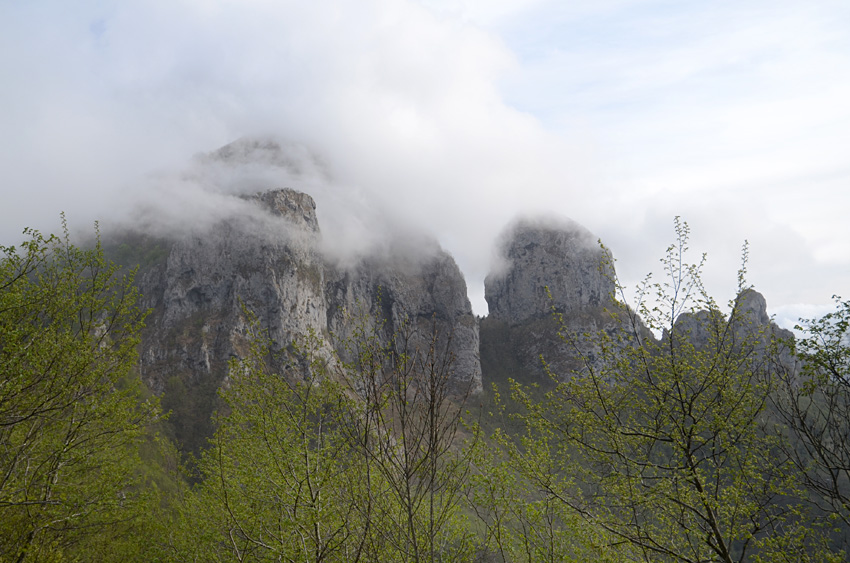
[
  {"x": 414, "y": 292},
  {"x": 546, "y": 266},
  {"x": 751, "y": 326},
  {"x": 562, "y": 256},
  {"x": 521, "y": 333},
  {"x": 197, "y": 295},
  {"x": 268, "y": 260}
]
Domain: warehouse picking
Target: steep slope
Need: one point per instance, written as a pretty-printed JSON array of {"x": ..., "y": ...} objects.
[
  {"x": 547, "y": 267},
  {"x": 557, "y": 267},
  {"x": 752, "y": 327},
  {"x": 411, "y": 292},
  {"x": 268, "y": 260},
  {"x": 561, "y": 256},
  {"x": 197, "y": 297}
]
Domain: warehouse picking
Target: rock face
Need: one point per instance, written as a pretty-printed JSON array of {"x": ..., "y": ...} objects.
[
  {"x": 412, "y": 294},
  {"x": 751, "y": 326},
  {"x": 565, "y": 258},
  {"x": 520, "y": 333},
  {"x": 197, "y": 296},
  {"x": 267, "y": 258},
  {"x": 269, "y": 262},
  {"x": 753, "y": 307},
  {"x": 297, "y": 208}
]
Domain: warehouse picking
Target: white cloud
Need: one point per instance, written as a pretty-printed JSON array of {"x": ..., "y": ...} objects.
[
  {"x": 728, "y": 114},
  {"x": 455, "y": 116}
]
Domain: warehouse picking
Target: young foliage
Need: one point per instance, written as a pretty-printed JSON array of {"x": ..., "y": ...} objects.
[
  {"x": 407, "y": 428},
  {"x": 815, "y": 405},
  {"x": 279, "y": 481},
  {"x": 330, "y": 461},
  {"x": 71, "y": 410},
  {"x": 523, "y": 520}
]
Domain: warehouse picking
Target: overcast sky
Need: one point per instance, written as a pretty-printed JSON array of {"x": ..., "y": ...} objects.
[{"x": 456, "y": 116}]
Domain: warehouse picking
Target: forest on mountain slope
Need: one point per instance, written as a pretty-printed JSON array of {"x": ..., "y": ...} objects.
[{"x": 715, "y": 442}]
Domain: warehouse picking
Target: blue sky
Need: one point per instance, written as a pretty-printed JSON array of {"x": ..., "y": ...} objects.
[{"x": 454, "y": 117}]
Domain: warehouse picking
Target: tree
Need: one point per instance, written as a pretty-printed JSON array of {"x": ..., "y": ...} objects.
[
  {"x": 331, "y": 461},
  {"x": 524, "y": 521},
  {"x": 815, "y": 405},
  {"x": 71, "y": 409},
  {"x": 667, "y": 444},
  {"x": 407, "y": 427},
  {"x": 278, "y": 479}
]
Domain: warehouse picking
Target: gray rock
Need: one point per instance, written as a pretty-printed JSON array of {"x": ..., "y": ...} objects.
[
  {"x": 269, "y": 262},
  {"x": 415, "y": 296},
  {"x": 297, "y": 208},
  {"x": 563, "y": 257},
  {"x": 748, "y": 333},
  {"x": 750, "y": 322},
  {"x": 753, "y": 306},
  {"x": 271, "y": 269},
  {"x": 566, "y": 258},
  {"x": 580, "y": 277}
]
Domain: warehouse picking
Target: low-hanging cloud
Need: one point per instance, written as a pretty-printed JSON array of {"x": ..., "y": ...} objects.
[
  {"x": 402, "y": 104},
  {"x": 401, "y": 113},
  {"x": 216, "y": 188}
]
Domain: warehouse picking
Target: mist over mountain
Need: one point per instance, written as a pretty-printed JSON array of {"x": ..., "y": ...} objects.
[
  {"x": 240, "y": 239},
  {"x": 268, "y": 256}
]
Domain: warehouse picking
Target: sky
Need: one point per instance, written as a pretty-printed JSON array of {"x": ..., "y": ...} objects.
[{"x": 453, "y": 118}]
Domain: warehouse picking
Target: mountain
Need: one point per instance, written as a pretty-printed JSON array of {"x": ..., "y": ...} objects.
[
  {"x": 267, "y": 256},
  {"x": 547, "y": 267},
  {"x": 269, "y": 261},
  {"x": 554, "y": 292}
]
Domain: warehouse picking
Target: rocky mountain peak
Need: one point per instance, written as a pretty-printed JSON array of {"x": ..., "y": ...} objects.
[
  {"x": 753, "y": 305},
  {"x": 294, "y": 158},
  {"x": 559, "y": 255},
  {"x": 750, "y": 324},
  {"x": 198, "y": 290},
  {"x": 750, "y": 317},
  {"x": 564, "y": 257},
  {"x": 296, "y": 207}
]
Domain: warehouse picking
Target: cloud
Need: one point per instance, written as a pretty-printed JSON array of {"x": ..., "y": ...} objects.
[
  {"x": 404, "y": 104},
  {"x": 450, "y": 118},
  {"x": 726, "y": 114}
]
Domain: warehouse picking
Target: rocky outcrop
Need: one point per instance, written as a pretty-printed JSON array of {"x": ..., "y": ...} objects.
[
  {"x": 557, "y": 267},
  {"x": 749, "y": 330},
  {"x": 198, "y": 294},
  {"x": 298, "y": 209},
  {"x": 546, "y": 267},
  {"x": 563, "y": 257},
  {"x": 267, "y": 260},
  {"x": 753, "y": 308},
  {"x": 420, "y": 296},
  {"x": 553, "y": 294}
]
